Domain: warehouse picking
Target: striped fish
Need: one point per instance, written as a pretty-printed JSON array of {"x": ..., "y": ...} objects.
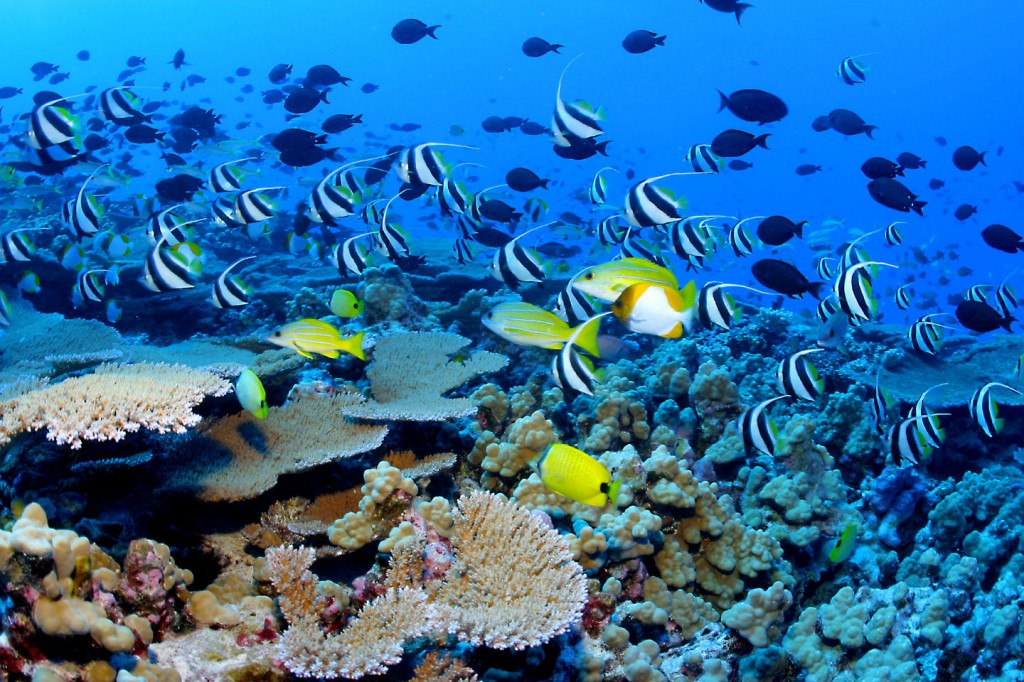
[
  {"x": 904, "y": 297},
  {"x": 715, "y": 308},
  {"x": 926, "y": 335},
  {"x": 225, "y": 177},
  {"x": 852, "y": 71},
  {"x": 599, "y": 187},
  {"x": 610, "y": 232},
  {"x": 514, "y": 265},
  {"x": 702, "y": 160},
  {"x": 853, "y": 290},
  {"x": 893, "y": 236},
  {"x": 5, "y": 310},
  {"x": 87, "y": 287},
  {"x": 453, "y": 198},
  {"x": 121, "y": 107},
  {"x": 929, "y": 424},
  {"x": 463, "y": 254},
  {"x": 740, "y": 239},
  {"x": 757, "y": 430},
  {"x": 569, "y": 369},
  {"x": 798, "y": 378},
  {"x": 328, "y": 202},
  {"x": 689, "y": 239},
  {"x": 634, "y": 247},
  {"x": 167, "y": 225},
  {"x": 51, "y": 125},
  {"x": 1006, "y": 298},
  {"x": 82, "y": 214},
  {"x": 229, "y": 291},
  {"x": 254, "y": 207},
  {"x": 907, "y": 443},
  {"x": 574, "y": 306},
  {"x": 881, "y": 403},
  {"x": 370, "y": 214},
  {"x": 16, "y": 246},
  {"x": 392, "y": 241},
  {"x": 977, "y": 293},
  {"x": 984, "y": 409},
  {"x": 824, "y": 268},
  {"x": 350, "y": 256},
  {"x": 224, "y": 212},
  {"x": 166, "y": 269},
  {"x": 573, "y": 120},
  {"x": 423, "y": 165},
  {"x": 647, "y": 205},
  {"x": 827, "y": 307}
]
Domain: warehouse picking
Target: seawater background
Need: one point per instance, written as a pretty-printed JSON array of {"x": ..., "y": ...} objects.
[{"x": 945, "y": 68}]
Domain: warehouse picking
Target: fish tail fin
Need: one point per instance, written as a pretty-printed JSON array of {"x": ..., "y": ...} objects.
[
  {"x": 799, "y": 229},
  {"x": 544, "y": 183},
  {"x": 602, "y": 148},
  {"x": 1007, "y": 321},
  {"x": 660, "y": 40},
  {"x": 918, "y": 206},
  {"x": 762, "y": 140},
  {"x": 555, "y": 48},
  {"x": 586, "y": 335},
  {"x": 981, "y": 159},
  {"x": 868, "y": 130},
  {"x": 323, "y": 95},
  {"x": 725, "y": 100},
  {"x": 924, "y": 164},
  {"x": 613, "y": 491},
  {"x": 741, "y": 7},
  {"x": 814, "y": 289},
  {"x": 354, "y": 345},
  {"x": 899, "y": 171},
  {"x": 431, "y": 29}
]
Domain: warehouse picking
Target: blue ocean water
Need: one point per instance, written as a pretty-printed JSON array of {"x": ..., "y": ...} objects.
[{"x": 941, "y": 75}]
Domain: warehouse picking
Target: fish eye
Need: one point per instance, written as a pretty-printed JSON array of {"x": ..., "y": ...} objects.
[
  {"x": 589, "y": 275},
  {"x": 277, "y": 333}
]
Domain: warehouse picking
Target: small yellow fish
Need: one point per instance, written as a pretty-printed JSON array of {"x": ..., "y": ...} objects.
[
  {"x": 576, "y": 475},
  {"x": 658, "y": 310},
  {"x": 844, "y": 545},
  {"x": 309, "y": 335},
  {"x": 529, "y": 325},
  {"x": 345, "y": 304},
  {"x": 250, "y": 393},
  {"x": 608, "y": 280}
]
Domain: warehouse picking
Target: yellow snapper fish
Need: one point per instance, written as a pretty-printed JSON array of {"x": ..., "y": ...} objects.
[
  {"x": 528, "y": 325},
  {"x": 608, "y": 280},
  {"x": 576, "y": 475},
  {"x": 309, "y": 335},
  {"x": 345, "y": 304},
  {"x": 658, "y": 310},
  {"x": 250, "y": 393}
]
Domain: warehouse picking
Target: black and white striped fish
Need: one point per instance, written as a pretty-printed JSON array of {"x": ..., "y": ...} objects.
[
  {"x": 121, "y": 107},
  {"x": 893, "y": 236},
  {"x": 460, "y": 249},
  {"x": 165, "y": 224},
  {"x": 702, "y": 160},
  {"x": 929, "y": 424},
  {"x": 16, "y": 246},
  {"x": 757, "y": 430},
  {"x": 423, "y": 165},
  {"x": 392, "y": 241},
  {"x": 797, "y": 377},
  {"x": 907, "y": 442},
  {"x": 984, "y": 409},
  {"x": 573, "y": 119},
  {"x": 225, "y": 213},
  {"x": 853, "y": 290},
  {"x": 87, "y": 287},
  {"x": 5, "y": 310},
  {"x": 852, "y": 71},
  {"x": 453, "y": 198},
  {"x": 574, "y": 306},
  {"x": 881, "y": 403},
  {"x": 370, "y": 214},
  {"x": 634, "y": 247},
  {"x": 51, "y": 125},
  {"x": 328, "y": 202},
  {"x": 904, "y": 297},
  {"x": 647, "y": 205},
  {"x": 570, "y": 369},
  {"x": 514, "y": 265},
  {"x": 1006, "y": 298},
  {"x": 926, "y": 335},
  {"x": 599, "y": 187},
  {"x": 740, "y": 239},
  {"x": 166, "y": 269},
  {"x": 225, "y": 177},
  {"x": 252, "y": 206},
  {"x": 229, "y": 291},
  {"x": 610, "y": 232},
  {"x": 824, "y": 268},
  {"x": 827, "y": 307},
  {"x": 690, "y": 237},
  {"x": 715, "y": 308},
  {"x": 350, "y": 256},
  {"x": 82, "y": 214}
]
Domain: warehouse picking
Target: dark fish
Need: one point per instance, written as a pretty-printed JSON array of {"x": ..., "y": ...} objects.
[
  {"x": 280, "y": 72},
  {"x": 135, "y": 62},
  {"x": 200, "y": 120},
  {"x": 409, "y": 31},
  {"x": 340, "y": 122},
  {"x": 243, "y": 71},
  {"x": 848, "y": 123},
  {"x": 941, "y": 141},
  {"x": 93, "y": 142},
  {"x": 512, "y": 122},
  {"x": 9, "y": 91},
  {"x": 558, "y": 250},
  {"x": 534, "y": 128},
  {"x": 142, "y": 134},
  {"x": 807, "y": 169},
  {"x": 179, "y": 188},
  {"x": 294, "y": 139},
  {"x": 498, "y": 211},
  {"x": 756, "y": 106},
  {"x": 732, "y": 143},
  {"x": 303, "y": 100},
  {"x": 640, "y": 41},
  {"x": 59, "y": 78},
  {"x": 964, "y": 211},
  {"x": 525, "y": 180},
  {"x": 490, "y": 237},
  {"x": 821, "y": 124},
  {"x": 729, "y": 7},
  {"x": 911, "y": 161},
  {"x": 582, "y": 148},
  {"x": 493, "y": 124},
  {"x": 43, "y": 69},
  {"x": 324, "y": 75},
  {"x": 776, "y": 230},
  {"x": 981, "y": 317},
  {"x": 179, "y": 59},
  {"x": 1003, "y": 238},
  {"x": 784, "y": 278},
  {"x": 369, "y": 87},
  {"x": 404, "y": 127},
  {"x": 305, "y": 156},
  {"x": 966, "y": 158},
  {"x": 878, "y": 167},
  {"x": 172, "y": 159},
  {"x": 538, "y": 47},
  {"x": 83, "y": 55},
  {"x": 273, "y": 96},
  {"x": 740, "y": 164},
  {"x": 895, "y": 195},
  {"x": 935, "y": 183}
]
